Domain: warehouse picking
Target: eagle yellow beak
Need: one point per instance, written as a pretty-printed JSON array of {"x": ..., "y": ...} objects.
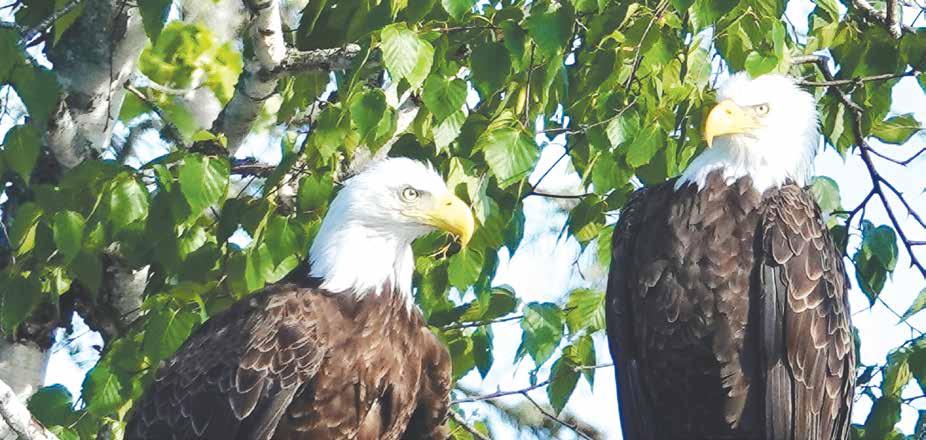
[
  {"x": 452, "y": 215},
  {"x": 727, "y": 118}
]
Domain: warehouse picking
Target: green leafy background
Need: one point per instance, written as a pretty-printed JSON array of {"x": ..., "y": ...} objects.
[{"x": 609, "y": 94}]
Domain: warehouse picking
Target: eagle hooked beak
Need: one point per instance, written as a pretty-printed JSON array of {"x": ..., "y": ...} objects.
[
  {"x": 728, "y": 118},
  {"x": 452, "y": 215}
]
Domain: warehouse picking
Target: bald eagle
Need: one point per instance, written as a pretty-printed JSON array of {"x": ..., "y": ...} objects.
[
  {"x": 726, "y": 302},
  {"x": 342, "y": 354}
]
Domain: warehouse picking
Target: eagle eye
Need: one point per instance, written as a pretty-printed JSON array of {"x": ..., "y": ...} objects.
[
  {"x": 409, "y": 194},
  {"x": 761, "y": 109}
]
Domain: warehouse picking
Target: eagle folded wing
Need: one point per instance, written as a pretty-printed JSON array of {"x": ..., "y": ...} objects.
[
  {"x": 807, "y": 338},
  {"x": 235, "y": 376}
]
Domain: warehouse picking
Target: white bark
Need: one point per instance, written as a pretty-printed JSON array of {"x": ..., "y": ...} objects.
[
  {"x": 22, "y": 366},
  {"x": 253, "y": 89},
  {"x": 93, "y": 60}
]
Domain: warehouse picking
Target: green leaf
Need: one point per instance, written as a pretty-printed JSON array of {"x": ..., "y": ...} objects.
[
  {"x": 550, "y": 25},
  {"x": 68, "y": 230},
  {"x": 918, "y": 304},
  {"x": 491, "y": 65},
  {"x": 585, "y": 310},
  {"x": 643, "y": 147},
  {"x": 563, "y": 380},
  {"x": 366, "y": 110},
  {"x": 18, "y": 297},
  {"x": 464, "y": 268},
  {"x": 457, "y": 8},
  {"x": 283, "y": 239},
  {"x": 897, "y": 129},
  {"x": 447, "y": 131},
  {"x": 203, "y": 181},
  {"x": 883, "y": 417},
  {"x": 10, "y": 54},
  {"x": 443, "y": 97},
  {"x": 314, "y": 193},
  {"x": 482, "y": 351},
  {"x": 128, "y": 201},
  {"x": 882, "y": 241},
  {"x": 896, "y": 374},
  {"x": 166, "y": 330},
  {"x": 500, "y": 301},
  {"x": 758, "y": 64},
  {"x": 542, "y": 328},
  {"x": 63, "y": 23},
  {"x": 510, "y": 154},
  {"x": 103, "y": 391},
  {"x": 53, "y": 405},
  {"x": 153, "y": 16},
  {"x": 581, "y": 353},
  {"x": 21, "y": 150},
  {"x": 875, "y": 258},
  {"x": 38, "y": 88},
  {"x": 22, "y": 231},
  {"x": 826, "y": 191},
  {"x": 406, "y": 55},
  {"x": 88, "y": 270}
]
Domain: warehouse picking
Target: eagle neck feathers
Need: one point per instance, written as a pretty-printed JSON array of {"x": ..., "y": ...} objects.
[{"x": 355, "y": 259}]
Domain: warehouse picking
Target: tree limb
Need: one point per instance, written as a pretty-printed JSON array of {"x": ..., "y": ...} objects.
[
  {"x": 319, "y": 60},
  {"x": 18, "y": 417},
  {"x": 238, "y": 116},
  {"x": 878, "y": 182},
  {"x": 890, "y": 20}
]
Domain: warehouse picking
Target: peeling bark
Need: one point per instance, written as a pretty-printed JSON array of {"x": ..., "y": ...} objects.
[
  {"x": 239, "y": 115},
  {"x": 92, "y": 61}
]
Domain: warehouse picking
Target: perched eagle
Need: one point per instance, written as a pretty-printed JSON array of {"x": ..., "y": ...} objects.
[
  {"x": 726, "y": 302},
  {"x": 342, "y": 354}
]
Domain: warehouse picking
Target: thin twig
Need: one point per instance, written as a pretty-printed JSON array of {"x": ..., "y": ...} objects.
[
  {"x": 481, "y": 323},
  {"x": 858, "y": 80},
  {"x": 855, "y": 114},
  {"x": 552, "y": 416},
  {"x": 903, "y": 162},
  {"x": 170, "y": 129},
  {"x": 456, "y": 418},
  {"x": 559, "y": 196},
  {"x": 497, "y": 394},
  {"x": 638, "y": 56}
]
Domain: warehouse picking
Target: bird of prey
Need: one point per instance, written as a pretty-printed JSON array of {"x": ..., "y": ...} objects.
[
  {"x": 343, "y": 352},
  {"x": 727, "y": 309}
]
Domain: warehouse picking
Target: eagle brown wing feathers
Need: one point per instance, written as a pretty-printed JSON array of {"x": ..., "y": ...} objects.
[
  {"x": 808, "y": 347},
  {"x": 235, "y": 376},
  {"x": 727, "y": 316}
]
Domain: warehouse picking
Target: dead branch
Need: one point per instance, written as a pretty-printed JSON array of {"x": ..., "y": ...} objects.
[{"x": 18, "y": 417}]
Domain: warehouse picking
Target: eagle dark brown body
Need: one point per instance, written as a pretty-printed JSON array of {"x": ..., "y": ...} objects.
[
  {"x": 728, "y": 317},
  {"x": 294, "y": 362}
]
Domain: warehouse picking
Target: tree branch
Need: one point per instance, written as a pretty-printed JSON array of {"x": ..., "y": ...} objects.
[
  {"x": 559, "y": 196},
  {"x": 553, "y": 417},
  {"x": 238, "y": 116},
  {"x": 855, "y": 113},
  {"x": 18, "y": 417},
  {"x": 890, "y": 20},
  {"x": 319, "y": 60},
  {"x": 480, "y": 323}
]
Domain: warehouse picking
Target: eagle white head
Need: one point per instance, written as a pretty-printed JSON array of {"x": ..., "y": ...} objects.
[
  {"x": 364, "y": 242},
  {"x": 765, "y": 128}
]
